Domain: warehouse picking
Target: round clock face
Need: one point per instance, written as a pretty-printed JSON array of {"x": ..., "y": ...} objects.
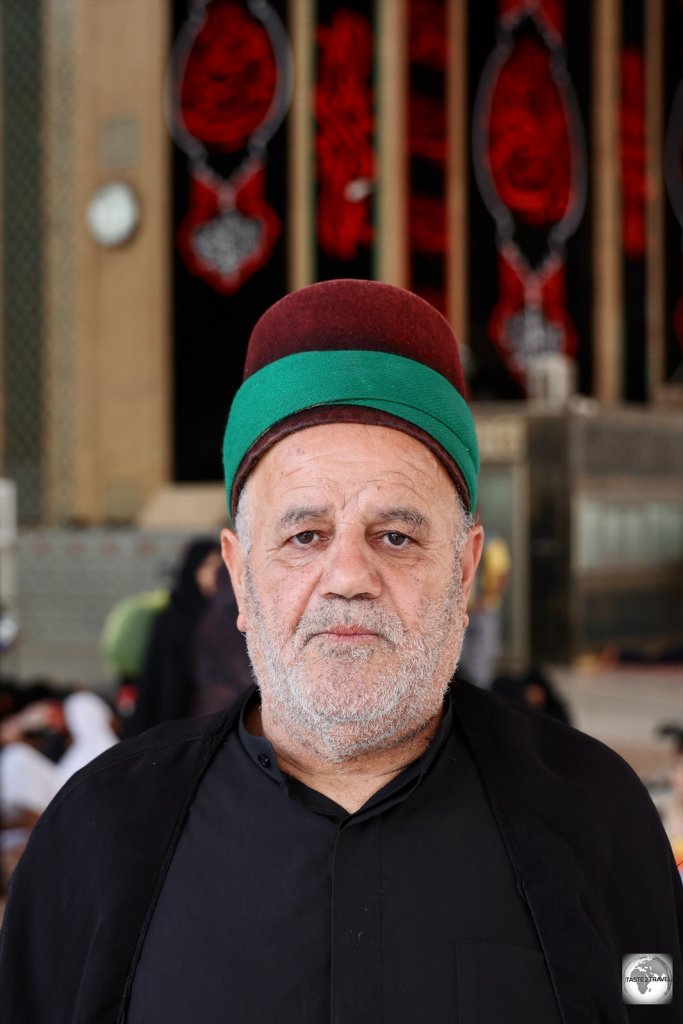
[{"x": 113, "y": 213}]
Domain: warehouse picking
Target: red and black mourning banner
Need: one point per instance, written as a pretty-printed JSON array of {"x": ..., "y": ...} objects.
[
  {"x": 634, "y": 188},
  {"x": 529, "y": 161},
  {"x": 229, "y": 87},
  {"x": 427, "y": 150},
  {"x": 344, "y": 99},
  {"x": 229, "y": 90}
]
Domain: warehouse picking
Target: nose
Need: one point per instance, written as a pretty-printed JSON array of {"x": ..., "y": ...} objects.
[{"x": 349, "y": 570}]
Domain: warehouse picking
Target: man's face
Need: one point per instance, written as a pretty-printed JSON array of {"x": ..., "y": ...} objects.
[{"x": 353, "y": 590}]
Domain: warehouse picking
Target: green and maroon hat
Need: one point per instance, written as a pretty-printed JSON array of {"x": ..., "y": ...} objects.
[{"x": 352, "y": 351}]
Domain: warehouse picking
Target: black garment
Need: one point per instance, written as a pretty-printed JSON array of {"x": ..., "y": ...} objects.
[
  {"x": 393, "y": 913},
  {"x": 222, "y": 670},
  {"x": 168, "y": 679},
  {"x": 585, "y": 843}
]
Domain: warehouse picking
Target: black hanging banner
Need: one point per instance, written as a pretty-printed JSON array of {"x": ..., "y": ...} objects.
[
  {"x": 229, "y": 89},
  {"x": 345, "y": 151}
]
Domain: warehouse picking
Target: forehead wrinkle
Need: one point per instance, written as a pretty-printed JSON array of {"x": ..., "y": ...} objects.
[{"x": 403, "y": 489}]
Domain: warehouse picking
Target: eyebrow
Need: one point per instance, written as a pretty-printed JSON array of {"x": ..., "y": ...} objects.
[
  {"x": 394, "y": 513},
  {"x": 402, "y": 514},
  {"x": 302, "y": 513}
]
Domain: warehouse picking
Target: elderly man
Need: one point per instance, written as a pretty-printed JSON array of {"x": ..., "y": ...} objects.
[{"x": 353, "y": 841}]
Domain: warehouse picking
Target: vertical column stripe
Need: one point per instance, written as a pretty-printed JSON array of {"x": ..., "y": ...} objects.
[
  {"x": 607, "y": 248},
  {"x": 391, "y": 256},
  {"x": 301, "y": 270}
]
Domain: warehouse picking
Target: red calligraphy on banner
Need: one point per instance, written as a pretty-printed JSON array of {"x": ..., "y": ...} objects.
[
  {"x": 345, "y": 155},
  {"x": 530, "y": 165},
  {"x": 528, "y": 151},
  {"x": 427, "y": 38},
  {"x": 230, "y": 78},
  {"x": 230, "y": 89},
  {"x": 633, "y": 173},
  {"x": 428, "y": 230},
  {"x": 427, "y": 149},
  {"x": 427, "y": 128}
]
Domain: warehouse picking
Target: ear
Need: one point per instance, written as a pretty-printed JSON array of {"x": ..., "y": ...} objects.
[
  {"x": 469, "y": 558},
  {"x": 234, "y": 559}
]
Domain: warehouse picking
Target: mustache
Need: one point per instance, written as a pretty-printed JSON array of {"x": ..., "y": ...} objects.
[{"x": 362, "y": 617}]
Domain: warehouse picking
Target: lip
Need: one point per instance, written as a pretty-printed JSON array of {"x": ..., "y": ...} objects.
[{"x": 347, "y": 634}]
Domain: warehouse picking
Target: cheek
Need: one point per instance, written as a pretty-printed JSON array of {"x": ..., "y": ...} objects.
[
  {"x": 285, "y": 595},
  {"x": 418, "y": 593}
]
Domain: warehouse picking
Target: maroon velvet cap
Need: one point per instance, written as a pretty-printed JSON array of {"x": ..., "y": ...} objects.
[{"x": 352, "y": 314}]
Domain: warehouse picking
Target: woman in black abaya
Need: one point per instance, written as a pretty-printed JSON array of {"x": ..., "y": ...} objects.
[{"x": 168, "y": 677}]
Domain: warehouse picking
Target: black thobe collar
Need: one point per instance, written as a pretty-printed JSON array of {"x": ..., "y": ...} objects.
[{"x": 261, "y": 752}]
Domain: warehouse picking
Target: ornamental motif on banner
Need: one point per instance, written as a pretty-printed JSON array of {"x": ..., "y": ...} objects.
[
  {"x": 529, "y": 159},
  {"x": 229, "y": 89}
]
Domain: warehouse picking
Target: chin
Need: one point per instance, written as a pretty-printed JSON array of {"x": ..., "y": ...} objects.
[
  {"x": 344, "y": 719},
  {"x": 341, "y": 742}
]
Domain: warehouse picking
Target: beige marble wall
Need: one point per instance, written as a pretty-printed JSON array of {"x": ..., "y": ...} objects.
[{"x": 108, "y": 348}]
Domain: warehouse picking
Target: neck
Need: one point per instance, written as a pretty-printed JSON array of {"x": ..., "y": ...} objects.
[{"x": 349, "y": 783}]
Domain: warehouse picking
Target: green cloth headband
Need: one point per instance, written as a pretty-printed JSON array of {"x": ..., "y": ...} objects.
[{"x": 379, "y": 380}]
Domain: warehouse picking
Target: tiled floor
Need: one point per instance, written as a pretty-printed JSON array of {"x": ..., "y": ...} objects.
[{"x": 623, "y": 707}]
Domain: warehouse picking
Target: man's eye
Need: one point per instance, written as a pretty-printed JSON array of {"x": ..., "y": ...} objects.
[
  {"x": 305, "y": 538},
  {"x": 397, "y": 540}
]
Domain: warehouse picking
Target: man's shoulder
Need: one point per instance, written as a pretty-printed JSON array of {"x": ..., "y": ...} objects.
[
  {"x": 528, "y": 746},
  {"x": 161, "y": 761},
  {"x": 554, "y": 789},
  {"x": 167, "y": 737}
]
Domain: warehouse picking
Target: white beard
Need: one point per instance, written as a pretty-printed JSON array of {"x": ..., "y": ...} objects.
[{"x": 342, "y": 701}]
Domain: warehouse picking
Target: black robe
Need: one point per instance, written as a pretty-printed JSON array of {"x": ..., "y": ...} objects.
[{"x": 589, "y": 854}]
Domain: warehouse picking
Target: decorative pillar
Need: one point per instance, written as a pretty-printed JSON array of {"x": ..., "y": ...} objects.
[
  {"x": 300, "y": 239},
  {"x": 59, "y": 231},
  {"x": 608, "y": 287},
  {"x": 121, "y": 359},
  {"x": 392, "y": 229}
]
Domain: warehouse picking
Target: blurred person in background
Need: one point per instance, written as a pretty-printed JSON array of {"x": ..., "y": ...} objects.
[
  {"x": 29, "y": 778},
  {"x": 532, "y": 689},
  {"x": 34, "y": 716},
  {"x": 483, "y": 639},
  {"x": 28, "y": 782},
  {"x": 43, "y": 742},
  {"x": 88, "y": 721},
  {"x": 222, "y": 667},
  {"x": 125, "y": 639},
  {"x": 672, "y": 812},
  {"x": 168, "y": 680}
]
